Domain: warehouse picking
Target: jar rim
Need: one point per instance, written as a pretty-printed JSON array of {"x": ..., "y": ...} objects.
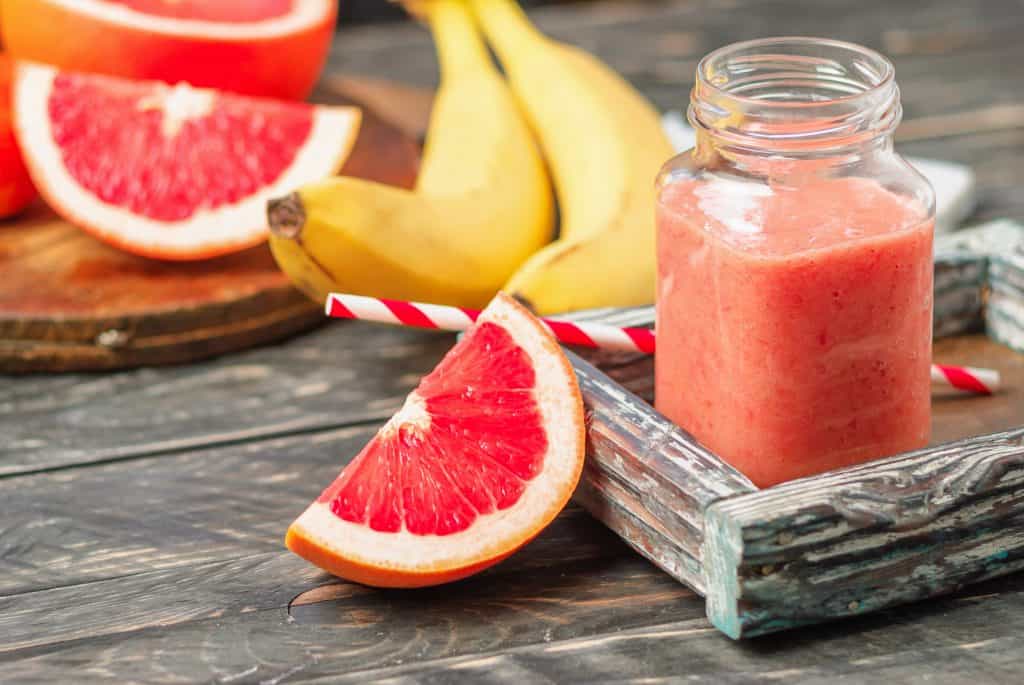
[{"x": 886, "y": 77}]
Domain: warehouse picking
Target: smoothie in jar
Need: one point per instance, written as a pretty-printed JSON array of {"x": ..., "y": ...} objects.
[{"x": 795, "y": 286}]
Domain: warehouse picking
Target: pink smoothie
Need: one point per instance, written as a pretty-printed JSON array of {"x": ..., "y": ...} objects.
[{"x": 794, "y": 324}]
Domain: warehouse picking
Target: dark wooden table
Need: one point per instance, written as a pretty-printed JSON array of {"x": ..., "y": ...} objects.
[{"x": 142, "y": 513}]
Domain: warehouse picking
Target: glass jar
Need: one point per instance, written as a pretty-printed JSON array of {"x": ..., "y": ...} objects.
[{"x": 794, "y": 310}]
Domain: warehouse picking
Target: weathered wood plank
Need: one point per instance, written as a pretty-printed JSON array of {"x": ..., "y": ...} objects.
[
  {"x": 865, "y": 538},
  {"x": 492, "y": 633},
  {"x": 116, "y": 520},
  {"x": 999, "y": 245},
  {"x": 88, "y": 524},
  {"x": 878, "y": 649},
  {"x": 157, "y": 598},
  {"x": 683, "y": 651},
  {"x": 640, "y": 462},
  {"x": 1004, "y": 314},
  {"x": 274, "y": 609},
  {"x": 963, "y": 275},
  {"x": 337, "y": 376}
]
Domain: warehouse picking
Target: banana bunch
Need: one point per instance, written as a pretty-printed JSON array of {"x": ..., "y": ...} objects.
[
  {"x": 604, "y": 144},
  {"x": 480, "y": 218},
  {"x": 481, "y": 206}
]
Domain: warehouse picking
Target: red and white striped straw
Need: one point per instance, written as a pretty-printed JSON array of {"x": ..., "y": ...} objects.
[
  {"x": 968, "y": 379},
  {"x": 446, "y": 318},
  {"x": 586, "y": 334}
]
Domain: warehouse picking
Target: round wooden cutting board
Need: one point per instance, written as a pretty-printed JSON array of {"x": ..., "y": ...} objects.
[{"x": 69, "y": 302}]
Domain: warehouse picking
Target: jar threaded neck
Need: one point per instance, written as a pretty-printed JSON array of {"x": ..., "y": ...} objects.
[{"x": 794, "y": 95}]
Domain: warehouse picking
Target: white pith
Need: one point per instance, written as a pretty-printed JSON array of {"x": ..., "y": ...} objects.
[
  {"x": 490, "y": 534},
  {"x": 330, "y": 141},
  {"x": 178, "y": 104},
  {"x": 305, "y": 13},
  {"x": 413, "y": 413}
]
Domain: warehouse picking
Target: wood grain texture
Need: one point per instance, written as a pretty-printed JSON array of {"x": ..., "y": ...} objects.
[
  {"x": 647, "y": 479},
  {"x": 205, "y": 623},
  {"x": 866, "y": 538},
  {"x": 510, "y": 629},
  {"x": 121, "y": 519},
  {"x": 70, "y": 302},
  {"x": 110, "y": 521},
  {"x": 1004, "y": 314},
  {"x": 342, "y": 374},
  {"x": 995, "y": 250}
]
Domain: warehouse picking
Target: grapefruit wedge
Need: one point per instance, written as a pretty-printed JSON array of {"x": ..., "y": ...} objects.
[
  {"x": 482, "y": 456},
  {"x": 171, "y": 172},
  {"x": 270, "y": 48}
]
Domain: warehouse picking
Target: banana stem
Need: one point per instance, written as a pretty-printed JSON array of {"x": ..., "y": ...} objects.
[
  {"x": 287, "y": 216},
  {"x": 459, "y": 45}
]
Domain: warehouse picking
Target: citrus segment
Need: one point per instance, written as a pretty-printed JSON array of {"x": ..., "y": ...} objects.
[
  {"x": 483, "y": 454},
  {"x": 121, "y": 166},
  {"x": 170, "y": 171},
  {"x": 476, "y": 431}
]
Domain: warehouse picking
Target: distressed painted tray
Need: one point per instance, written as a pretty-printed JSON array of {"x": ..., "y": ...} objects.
[{"x": 843, "y": 543}]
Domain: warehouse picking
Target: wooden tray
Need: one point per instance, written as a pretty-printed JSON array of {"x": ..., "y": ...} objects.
[
  {"x": 70, "y": 302},
  {"x": 850, "y": 541}
]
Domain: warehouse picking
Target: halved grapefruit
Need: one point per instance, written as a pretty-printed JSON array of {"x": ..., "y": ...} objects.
[
  {"x": 172, "y": 172},
  {"x": 271, "y": 48},
  {"x": 482, "y": 456}
]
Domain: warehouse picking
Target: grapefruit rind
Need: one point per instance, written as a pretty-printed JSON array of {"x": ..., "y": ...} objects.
[
  {"x": 402, "y": 559},
  {"x": 305, "y": 14},
  {"x": 222, "y": 230}
]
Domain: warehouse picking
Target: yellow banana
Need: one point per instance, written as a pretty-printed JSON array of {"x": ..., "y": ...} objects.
[
  {"x": 482, "y": 204},
  {"x": 604, "y": 145}
]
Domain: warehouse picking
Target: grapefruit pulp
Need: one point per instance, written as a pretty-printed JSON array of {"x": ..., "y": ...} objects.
[
  {"x": 16, "y": 189},
  {"x": 172, "y": 172},
  {"x": 271, "y": 48},
  {"x": 482, "y": 456}
]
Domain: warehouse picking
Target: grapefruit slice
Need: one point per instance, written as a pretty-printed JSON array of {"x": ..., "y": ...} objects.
[
  {"x": 482, "y": 456},
  {"x": 271, "y": 48},
  {"x": 172, "y": 172}
]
